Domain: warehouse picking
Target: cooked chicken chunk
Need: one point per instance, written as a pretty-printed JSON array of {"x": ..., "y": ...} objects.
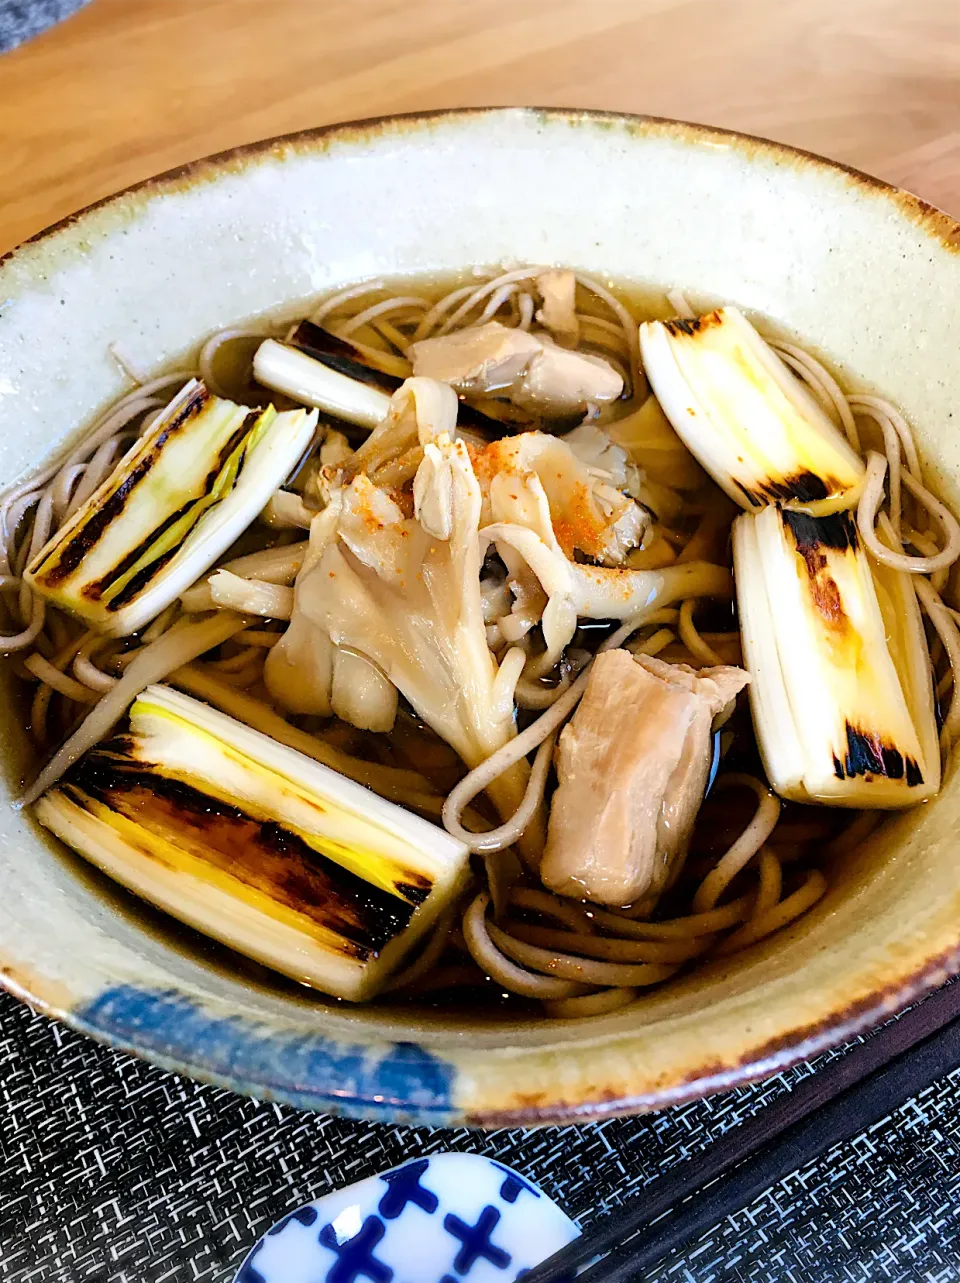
[
  {"x": 529, "y": 368},
  {"x": 558, "y": 381},
  {"x": 633, "y": 764},
  {"x": 481, "y": 359},
  {"x": 558, "y": 290}
]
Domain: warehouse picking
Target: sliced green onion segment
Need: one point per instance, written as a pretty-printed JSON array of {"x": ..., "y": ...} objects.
[
  {"x": 256, "y": 844},
  {"x": 177, "y": 499}
]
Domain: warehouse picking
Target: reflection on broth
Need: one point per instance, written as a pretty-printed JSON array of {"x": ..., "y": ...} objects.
[{"x": 522, "y": 584}]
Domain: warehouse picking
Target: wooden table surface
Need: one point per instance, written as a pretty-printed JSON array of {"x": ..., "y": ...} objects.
[{"x": 128, "y": 88}]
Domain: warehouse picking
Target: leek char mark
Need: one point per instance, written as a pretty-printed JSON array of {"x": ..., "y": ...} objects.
[
  {"x": 867, "y": 755},
  {"x": 96, "y": 590},
  {"x": 79, "y": 545},
  {"x": 691, "y": 325},
  {"x": 340, "y": 355},
  {"x": 140, "y": 581},
  {"x": 144, "y": 576},
  {"x": 262, "y": 856},
  {"x": 803, "y": 487},
  {"x": 812, "y": 535}
]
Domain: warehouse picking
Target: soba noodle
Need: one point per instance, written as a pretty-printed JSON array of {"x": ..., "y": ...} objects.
[{"x": 577, "y": 959}]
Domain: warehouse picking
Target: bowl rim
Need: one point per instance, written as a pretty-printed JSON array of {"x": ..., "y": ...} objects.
[
  {"x": 932, "y": 217},
  {"x": 128, "y": 1019}
]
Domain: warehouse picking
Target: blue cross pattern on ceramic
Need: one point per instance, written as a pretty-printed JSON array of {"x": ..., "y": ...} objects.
[{"x": 450, "y": 1218}]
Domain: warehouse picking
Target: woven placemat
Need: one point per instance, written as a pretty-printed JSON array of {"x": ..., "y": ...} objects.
[{"x": 116, "y": 1172}]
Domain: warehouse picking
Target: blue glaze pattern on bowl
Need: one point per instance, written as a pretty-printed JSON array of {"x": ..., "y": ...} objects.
[{"x": 396, "y": 1081}]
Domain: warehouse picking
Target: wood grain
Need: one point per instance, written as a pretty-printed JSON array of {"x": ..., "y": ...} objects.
[{"x": 128, "y": 88}]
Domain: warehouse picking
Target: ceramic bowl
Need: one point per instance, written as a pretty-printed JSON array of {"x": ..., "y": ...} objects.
[{"x": 868, "y": 275}]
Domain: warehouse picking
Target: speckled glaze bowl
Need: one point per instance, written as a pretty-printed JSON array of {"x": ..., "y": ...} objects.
[{"x": 869, "y": 275}]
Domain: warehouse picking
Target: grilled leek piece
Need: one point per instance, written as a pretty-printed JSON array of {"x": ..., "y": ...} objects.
[
  {"x": 739, "y": 410},
  {"x": 311, "y": 382},
  {"x": 177, "y": 499},
  {"x": 256, "y": 844},
  {"x": 380, "y": 369},
  {"x": 841, "y": 688}
]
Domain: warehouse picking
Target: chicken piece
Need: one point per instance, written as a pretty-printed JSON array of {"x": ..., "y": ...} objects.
[
  {"x": 558, "y": 381},
  {"x": 482, "y": 359},
  {"x": 558, "y": 290},
  {"x": 633, "y": 764},
  {"x": 529, "y": 368}
]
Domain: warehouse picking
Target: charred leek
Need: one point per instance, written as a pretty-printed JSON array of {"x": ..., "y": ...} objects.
[
  {"x": 255, "y": 844},
  {"x": 379, "y": 369},
  {"x": 176, "y": 500},
  {"x": 354, "y": 385},
  {"x": 841, "y": 693},
  {"x": 311, "y": 382},
  {"x": 745, "y": 417}
]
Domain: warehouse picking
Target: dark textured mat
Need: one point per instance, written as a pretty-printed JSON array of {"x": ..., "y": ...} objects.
[{"x": 116, "y": 1172}]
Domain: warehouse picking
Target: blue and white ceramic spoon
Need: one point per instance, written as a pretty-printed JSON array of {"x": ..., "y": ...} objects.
[{"x": 442, "y": 1219}]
